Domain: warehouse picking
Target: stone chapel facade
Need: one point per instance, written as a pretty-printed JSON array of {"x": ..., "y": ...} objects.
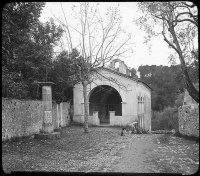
[{"x": 115, "y": 98}]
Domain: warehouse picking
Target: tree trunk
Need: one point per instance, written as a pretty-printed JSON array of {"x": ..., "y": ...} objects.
[
  {"x": 85, "y": 83},
  {"x": 189, "y": 85}
]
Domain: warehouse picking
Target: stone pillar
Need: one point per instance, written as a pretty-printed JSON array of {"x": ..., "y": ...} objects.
[
  {"x": 123, "y": 108},
  {"x": 95, "y": 117},
  {"x": 47, "y": 126},
  {"x": 57, "y": 117},
  {"x": 61, "y": 114},
  {"x": 47, "y": 131},
  {"x": 112, "y": 117}
]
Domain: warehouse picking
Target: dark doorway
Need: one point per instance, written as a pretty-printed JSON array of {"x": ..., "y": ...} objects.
[{"x": 104, "y": 99}]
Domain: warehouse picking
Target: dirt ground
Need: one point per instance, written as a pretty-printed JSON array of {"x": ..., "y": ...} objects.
[
  {"x": 102, "y": 150},
  {"x": 159, "y": 153}
]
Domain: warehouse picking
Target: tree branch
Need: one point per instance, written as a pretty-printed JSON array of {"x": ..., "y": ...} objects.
[
  {"x": 67, "y": 27},
  {"x": 169, "y": 43}
]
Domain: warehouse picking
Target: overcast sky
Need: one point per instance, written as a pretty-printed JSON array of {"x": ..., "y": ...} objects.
[{"x": 141, "y": 55}]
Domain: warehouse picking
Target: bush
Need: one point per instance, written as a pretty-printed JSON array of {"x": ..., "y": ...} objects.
[{"x": 165, "y": 120}]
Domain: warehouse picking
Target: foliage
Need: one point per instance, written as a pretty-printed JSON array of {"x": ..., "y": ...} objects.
[
  {"x": 12, "y": 85},
  {"x": 178, "y": 24},
  {"x": 167, "y": 83},
  {"x": 166, "y": 120},
  {"x": 63, "y": 74},
  {"x": 165, "y": 87},
  {"x": 27, "y": 48},
  {"x": 16, "y": 20},
  {"x": 133, "y": 72},
  {"x": 179, "y": 100}
]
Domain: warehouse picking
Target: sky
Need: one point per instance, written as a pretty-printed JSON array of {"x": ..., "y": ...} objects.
[{"x": 141, "y": 55}]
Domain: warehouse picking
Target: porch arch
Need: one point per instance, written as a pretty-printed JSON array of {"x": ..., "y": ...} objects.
[
  {"x": 105, "y": 98},
  {"x": 93, "y": 86}
]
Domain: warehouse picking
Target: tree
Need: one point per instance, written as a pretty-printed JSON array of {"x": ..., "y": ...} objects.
[
  {"x": 165, "y": 82},
  {"x": 36, "y": 63},
  {"x": 179, "y": 100},
  {"x": 27, "y": 48},
  {"x": 16, "y": 21},
  {"x": 100, "y": 40},
  {"x": 133, "y": 72},
  {"x": 62, "y": 74},
  {"x": 178, "y": 22}
]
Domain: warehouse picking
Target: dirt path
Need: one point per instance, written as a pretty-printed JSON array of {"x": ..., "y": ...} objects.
[
  {"x": 159, "y": 153},
  {"x": 135, "y": 154}
]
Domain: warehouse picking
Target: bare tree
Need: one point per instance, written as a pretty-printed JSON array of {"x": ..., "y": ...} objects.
[
  {"x": 101, "y": 39},
  {"x": 179, "y": 25}
]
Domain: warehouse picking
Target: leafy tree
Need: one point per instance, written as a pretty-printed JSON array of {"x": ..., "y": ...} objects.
[
  {"x": 13, "y": 85},
  {"x": 27, "y": 48},
  {"x": 165, "y": 83},
  {"x": 179, "y": 100},
  {"x": 133, "y": 72},
  {"x": 62, "y": 74},
  {"x": 37, "y": 63},
  {"x": 178, "y": 23},
  {"x": 16, "y": 20}
]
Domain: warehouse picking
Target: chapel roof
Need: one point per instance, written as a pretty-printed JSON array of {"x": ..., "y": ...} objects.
[{"x": 126, "y": 76}]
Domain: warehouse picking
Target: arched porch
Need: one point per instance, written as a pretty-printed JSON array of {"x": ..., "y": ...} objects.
[{"x": 105, "y": 101}]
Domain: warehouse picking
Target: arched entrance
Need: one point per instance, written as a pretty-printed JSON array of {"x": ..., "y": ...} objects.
[{"x": 103, "y": 99}]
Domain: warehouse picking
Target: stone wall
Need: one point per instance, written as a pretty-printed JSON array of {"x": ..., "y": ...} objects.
[
  {"x": 24, "y": 118},
  {"x": 189, "y": 120}
]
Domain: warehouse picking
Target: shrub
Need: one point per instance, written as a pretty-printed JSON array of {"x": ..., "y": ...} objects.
[{"x": 165, "y": 120}]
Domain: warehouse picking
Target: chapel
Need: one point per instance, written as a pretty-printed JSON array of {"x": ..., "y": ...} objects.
[{"x": 116, "y": 98}]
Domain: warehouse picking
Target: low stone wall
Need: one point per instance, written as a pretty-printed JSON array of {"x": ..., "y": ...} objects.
[
  {"x": 81, "y": 119},
  {"x": 163, "y": 132},
  {"x": 78, "y": 118},
  {"x": 25, "y": 117},
  {"x": 114, "y": 120},
  {"x": 189, "y": 120},
  {"x": 122, "y": 120}
]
